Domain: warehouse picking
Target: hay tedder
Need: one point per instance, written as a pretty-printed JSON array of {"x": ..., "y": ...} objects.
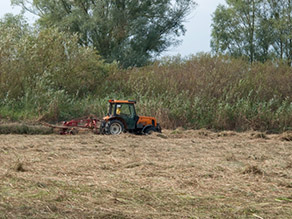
[{"x": 121, "y": 118}]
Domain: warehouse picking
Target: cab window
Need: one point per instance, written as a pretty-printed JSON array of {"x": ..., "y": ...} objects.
[{"x": 125, "y": 109}]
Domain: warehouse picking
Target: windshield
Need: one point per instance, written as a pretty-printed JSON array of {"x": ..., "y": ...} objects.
[{"x": 122, "y": 109}]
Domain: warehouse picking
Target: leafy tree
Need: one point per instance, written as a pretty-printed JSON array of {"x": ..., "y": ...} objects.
[
  {"x": 264, "y": 33},
  {"x": 281, "y": 22},
  {"x": 258, "y": 29},
  {"x": 10, "y": 20},
  {"x": 225, "y": 33},
  {"x": 234, "y": 28},
  {"x": 129, "y": 31}
]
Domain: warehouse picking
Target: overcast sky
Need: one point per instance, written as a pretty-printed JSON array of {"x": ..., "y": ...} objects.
[{"x": 196, "y": 39}]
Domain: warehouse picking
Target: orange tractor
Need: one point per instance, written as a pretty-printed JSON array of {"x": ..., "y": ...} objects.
[{"x": 121, "y": 118}]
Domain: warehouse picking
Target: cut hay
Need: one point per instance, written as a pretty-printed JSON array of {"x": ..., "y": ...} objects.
[
  {"x": 18, "y": 128},
  {"x": 191, "y": 175}
]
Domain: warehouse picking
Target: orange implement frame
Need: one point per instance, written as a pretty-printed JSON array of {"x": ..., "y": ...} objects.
[{"x": 72, "y": 126}]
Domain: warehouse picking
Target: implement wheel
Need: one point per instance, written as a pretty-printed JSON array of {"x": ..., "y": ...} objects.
[{"x": 114, "y": 127}]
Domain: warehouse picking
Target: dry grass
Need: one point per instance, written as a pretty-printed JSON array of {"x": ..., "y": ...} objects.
[{"x": 177, "y": 174}]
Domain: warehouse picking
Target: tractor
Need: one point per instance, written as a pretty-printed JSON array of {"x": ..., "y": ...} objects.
[{"x": 122, "y": 117}]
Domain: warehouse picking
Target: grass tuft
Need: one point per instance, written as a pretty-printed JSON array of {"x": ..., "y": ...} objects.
[
  {"x": 19, "y": 167},
  {"x": 252, "y": 169},
  {"x": 287, "y": 136}
]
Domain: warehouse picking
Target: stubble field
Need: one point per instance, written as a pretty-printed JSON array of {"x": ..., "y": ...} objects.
[{"x": 177, "y": 174}]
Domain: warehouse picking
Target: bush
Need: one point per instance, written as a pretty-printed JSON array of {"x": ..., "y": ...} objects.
[{"x": 43, "y": 74}]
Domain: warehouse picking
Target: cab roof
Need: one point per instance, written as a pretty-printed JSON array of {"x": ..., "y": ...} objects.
[{"x": 122, "y": 101}]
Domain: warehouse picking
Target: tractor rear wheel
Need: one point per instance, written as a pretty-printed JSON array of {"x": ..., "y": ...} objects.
[{"x": 114, "y": 127}]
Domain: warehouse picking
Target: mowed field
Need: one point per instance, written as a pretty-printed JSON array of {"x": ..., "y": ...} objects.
[{"x": 177, "y": 174}]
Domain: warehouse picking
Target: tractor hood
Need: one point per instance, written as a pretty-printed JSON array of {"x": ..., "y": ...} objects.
[{"x": 145, "y": 120}]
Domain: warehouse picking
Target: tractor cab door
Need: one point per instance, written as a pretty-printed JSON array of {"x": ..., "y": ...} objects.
[{"x": 127, "y": 113}]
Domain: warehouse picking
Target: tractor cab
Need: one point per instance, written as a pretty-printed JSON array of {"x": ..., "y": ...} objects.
[
  {"x": 122, "y": 117},
  {"x": 124, "y": 111}
]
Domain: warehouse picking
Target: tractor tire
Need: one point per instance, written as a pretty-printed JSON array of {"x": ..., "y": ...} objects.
[
  {"x": 102, "y": 127},
  {"x": 114, "y": 127},
  {"x": 149, "y": 130}
]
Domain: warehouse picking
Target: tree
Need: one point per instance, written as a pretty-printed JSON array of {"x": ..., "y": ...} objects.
[
  {"x": 129, "y": 31},
  {"x": 264, "y": 34},
  {"x": 234, "y": 28},
  {"x": 281, "y": 22},
  {"x": 258, "y": 29}
]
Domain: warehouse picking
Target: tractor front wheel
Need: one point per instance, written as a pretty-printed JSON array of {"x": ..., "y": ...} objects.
[
  {"x": 150, "y": 130},
  {"x": 114, "y": 127}
]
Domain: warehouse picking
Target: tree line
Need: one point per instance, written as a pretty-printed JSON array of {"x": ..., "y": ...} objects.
[
  {"x": 259, "y": 30},
  {"x": 130, "y": 32},
  {"x": 134, "y": 32}
]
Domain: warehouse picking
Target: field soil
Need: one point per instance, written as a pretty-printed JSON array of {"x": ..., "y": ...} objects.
[{"x": 176, "y": 174}]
